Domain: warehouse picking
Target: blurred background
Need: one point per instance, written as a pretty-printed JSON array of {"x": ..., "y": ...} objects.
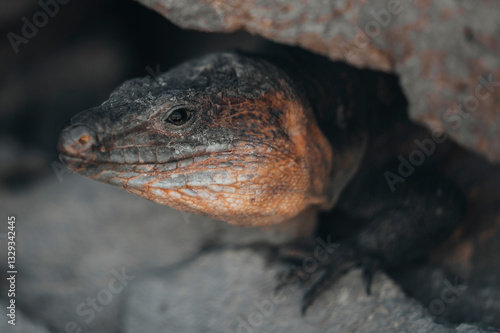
[{"x": 75, "y": 235}]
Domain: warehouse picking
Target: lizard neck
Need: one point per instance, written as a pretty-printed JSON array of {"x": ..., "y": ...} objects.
[{"x": 337, "y": 98}]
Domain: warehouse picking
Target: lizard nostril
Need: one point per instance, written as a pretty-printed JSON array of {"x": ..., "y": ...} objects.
[
  {"x": 75, "y": 140},
  {"x": 84, "y": 140}
]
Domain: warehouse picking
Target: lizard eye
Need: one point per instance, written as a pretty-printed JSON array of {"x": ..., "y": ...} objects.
[{"x": 179, "y": 117}]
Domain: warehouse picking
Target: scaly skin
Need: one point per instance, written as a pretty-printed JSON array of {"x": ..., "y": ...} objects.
[
  {"x": 252, "y": 153},
  {"x": 259, "y": 141}
]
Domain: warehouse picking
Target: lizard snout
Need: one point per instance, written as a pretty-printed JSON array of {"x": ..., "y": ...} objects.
[{"x": 75, "y": 140}]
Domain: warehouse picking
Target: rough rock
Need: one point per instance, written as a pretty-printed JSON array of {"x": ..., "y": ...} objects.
[
  {"x": 233, "y": 291},
  {"x": 444, "y": 52}
]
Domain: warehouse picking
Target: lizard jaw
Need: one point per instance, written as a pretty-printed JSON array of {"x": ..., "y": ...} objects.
[{"x": 245, "y": 188}]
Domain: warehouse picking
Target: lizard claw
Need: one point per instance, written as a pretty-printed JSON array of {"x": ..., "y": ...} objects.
[
  {"x": 369, "y": 269},
  {"x": 328, "y": 279},
  {"x": 326, "y": 272}
]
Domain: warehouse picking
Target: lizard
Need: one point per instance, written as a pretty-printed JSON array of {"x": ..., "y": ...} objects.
[{"x": 257, "y": 141}]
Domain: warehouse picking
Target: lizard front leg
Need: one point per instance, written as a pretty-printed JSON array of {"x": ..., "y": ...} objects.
[{"x": 387, "y": 229}]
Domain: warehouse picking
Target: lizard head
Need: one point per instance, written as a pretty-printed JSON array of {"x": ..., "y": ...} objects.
[{"x": 227, "y": 135}]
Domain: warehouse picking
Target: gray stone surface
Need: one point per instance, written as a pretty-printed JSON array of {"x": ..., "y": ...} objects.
[
  {"x": 233, "y": 291},
  {"x": 439, "y": 49}
]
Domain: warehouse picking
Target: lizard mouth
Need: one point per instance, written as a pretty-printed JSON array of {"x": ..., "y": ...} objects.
[
  {"x": 77, "y": 163},
  {"x": 105, "y": 170},
  {"x": 74, "y": 162}
]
